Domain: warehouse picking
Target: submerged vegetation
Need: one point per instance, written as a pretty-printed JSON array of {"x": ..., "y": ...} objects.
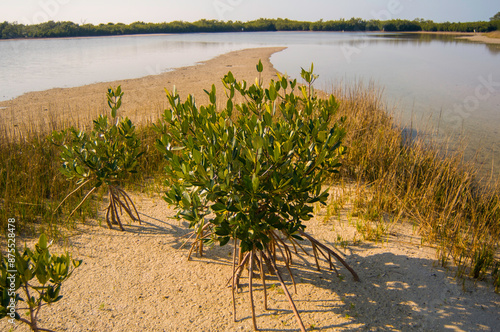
[
  {"x": 262, "y": 143},
  {"x": 69, "y": 29}
]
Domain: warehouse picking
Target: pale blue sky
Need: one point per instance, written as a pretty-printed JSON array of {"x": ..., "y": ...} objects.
[{"x": 127, "y": 11}]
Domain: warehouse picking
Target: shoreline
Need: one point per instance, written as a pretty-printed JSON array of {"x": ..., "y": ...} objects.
[
  {"x": 475, "y": 37},
  {"x": 444, "y": 33},
  {"x": 144, "y": 98}
]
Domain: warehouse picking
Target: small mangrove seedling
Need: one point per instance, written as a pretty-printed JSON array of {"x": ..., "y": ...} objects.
[
  {"x": 33, "y": 277},
  {"x": 103, "y": 157}
]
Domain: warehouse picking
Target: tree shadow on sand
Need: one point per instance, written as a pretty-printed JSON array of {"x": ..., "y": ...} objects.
[{"x": 396, "y": 293}]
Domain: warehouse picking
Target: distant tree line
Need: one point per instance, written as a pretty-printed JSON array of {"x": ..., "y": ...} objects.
[{"x": 70, "y": 29}]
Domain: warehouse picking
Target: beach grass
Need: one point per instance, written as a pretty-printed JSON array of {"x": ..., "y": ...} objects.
[
  {"x": 32, "y": 185},
  {"x": 416, "y": 178},
  {"x": 493, "y": 34}
]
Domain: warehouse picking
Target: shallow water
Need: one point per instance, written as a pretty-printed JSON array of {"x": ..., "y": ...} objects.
[{"x": 435, "y": 81}]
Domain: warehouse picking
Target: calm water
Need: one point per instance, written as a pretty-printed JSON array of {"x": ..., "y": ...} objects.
[{"x": 431, "y": 80}]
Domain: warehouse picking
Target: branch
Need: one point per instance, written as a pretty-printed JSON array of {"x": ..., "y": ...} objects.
[
  {"x": 233, "y": 278},
  {"x": 124, "y": 194},
  {"x": 250, "y": 288},
  {"x": 263, "y": 278},
  {"x": 71, "y": 193},
  {"x": 83, "y": 200}
]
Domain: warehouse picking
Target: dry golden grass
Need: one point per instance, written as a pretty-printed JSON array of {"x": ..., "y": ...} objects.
[
  {"x": 493, "y": 34},
  {"x": 417, "y": 179}
]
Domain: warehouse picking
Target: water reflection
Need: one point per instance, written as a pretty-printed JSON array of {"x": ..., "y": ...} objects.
[
  {"x": 431, "y": 81},
  {"x": 397, "y": 39},
  {"x": 422, "y": 38}
]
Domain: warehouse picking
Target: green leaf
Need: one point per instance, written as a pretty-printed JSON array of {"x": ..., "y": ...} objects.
[
  {"x": 197, "y": 156},
  {"x": 268, "y": 119},
  {"x": 76, "y": 263},
  {"x": 260, "y": 67},
  {"x": 218, "y": 207},
  {"x": 272, "y": 93},
  {"x": 212, "y": 94},
  {"x": 255, "y": 182},
  {"x": 42, "y": 241},
  {"x": 224, "y": 240},
  {"x": 284, "y": 82},
  {"x": 297, "y": 237},
  {"x": 28, "y": 275},
  {"x": 229, "y": 107},
  {"x": 229, "y": 78},
  {"x": 258, "y": 142}
]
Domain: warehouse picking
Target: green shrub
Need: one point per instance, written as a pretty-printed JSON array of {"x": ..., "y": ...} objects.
[
  {"x": 105, "y": 156},
  {"x": 251, "y": 172},
  {"x": 18, "y": 272}
]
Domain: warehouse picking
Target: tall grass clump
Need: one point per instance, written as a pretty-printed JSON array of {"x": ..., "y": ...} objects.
[
  {"x": 150, "y": 175},
  {"x": 31, "y": 185},
  {"x": 493, "y": 34},
  {"x": 415, "y": 178}
]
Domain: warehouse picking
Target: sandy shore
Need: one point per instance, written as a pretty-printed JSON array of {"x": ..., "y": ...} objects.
[
  {"x": 476, "y": 37},
  {"x": 144, "y": 98},
  {"x": 482, "y": 39},
  {"x": 140, "y": 280}
]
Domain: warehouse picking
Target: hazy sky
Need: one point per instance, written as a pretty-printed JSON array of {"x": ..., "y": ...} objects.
[{"x": 128, "y": 11}]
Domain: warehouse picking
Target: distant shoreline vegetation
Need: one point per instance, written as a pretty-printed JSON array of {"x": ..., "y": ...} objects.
[{"x": 53, "y": 29}]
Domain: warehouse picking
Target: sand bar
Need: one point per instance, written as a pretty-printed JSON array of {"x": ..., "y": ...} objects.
[
  {"x": 482, "y": 39},
  {"x": 477, "y": 37},
  {"x": 144, "y": 98}
]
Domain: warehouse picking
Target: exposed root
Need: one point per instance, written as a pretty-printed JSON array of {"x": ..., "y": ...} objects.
[
  {"x": 202, "y": 233},
  {"x": 330, "y": 253},
  {"x": 119, "y": 199},
  {"x": 278, "y": 248},
  {"x": 288, "y": 296}
]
